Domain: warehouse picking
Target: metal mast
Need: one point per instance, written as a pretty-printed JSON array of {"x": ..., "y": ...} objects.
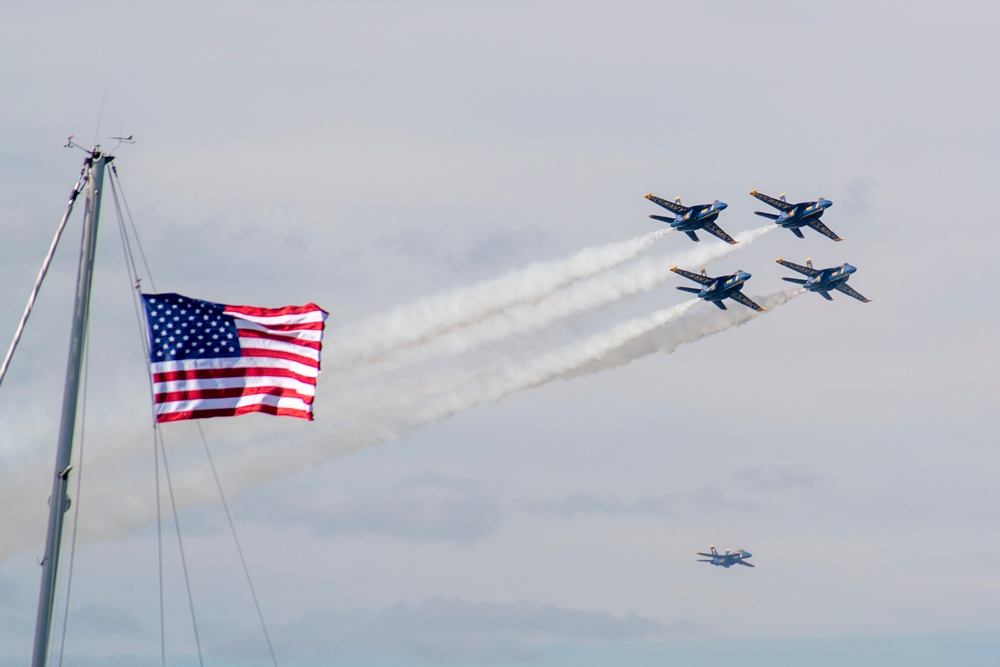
[{"x": 59, "y": 501}]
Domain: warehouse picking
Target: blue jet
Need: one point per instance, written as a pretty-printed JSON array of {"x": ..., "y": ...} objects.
[
  {"x": 727, "y": 559},
  {"x": 822, "y": 281},
  {"x": 796, "y": 216},
  {"x": 692, "y": 218},
  {"x": 719, "y": 288}
]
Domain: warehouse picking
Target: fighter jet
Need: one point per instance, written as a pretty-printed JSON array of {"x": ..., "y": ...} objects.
[
  {"x": 725, "y": 560},
  {"x": 718, "y": 288},
  {"x": 822, "y": 281},
  {"x": 796, "y": 216},
  {"x": 692, "y": 218}
]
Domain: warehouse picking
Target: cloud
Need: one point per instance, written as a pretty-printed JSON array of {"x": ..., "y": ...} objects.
[
  {"x": 419, "y": 508},
  {"x": 857, "y": 198},
  {"x": 103, "y": 619},
  {"x": 450, "y": 630},
  {"x": 776, "y": 478}
]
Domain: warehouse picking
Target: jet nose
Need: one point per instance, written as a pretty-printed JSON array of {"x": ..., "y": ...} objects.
[
  {"x": 721, "y": 205},
  {"x": 825, "y": 203},
  {"x": 849, "y": 269},
  {"x": 743, "y": 275}
]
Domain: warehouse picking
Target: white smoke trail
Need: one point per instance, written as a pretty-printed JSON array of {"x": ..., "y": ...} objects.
[
  {"x": 683, "y": 331},
  {"x": 623, "y": 344},
  {"x": 417, "y": 322},
  {"x": 604, "y": 290}
]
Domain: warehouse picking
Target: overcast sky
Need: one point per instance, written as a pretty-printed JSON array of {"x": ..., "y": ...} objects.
[{"x": 516, "y": 447}]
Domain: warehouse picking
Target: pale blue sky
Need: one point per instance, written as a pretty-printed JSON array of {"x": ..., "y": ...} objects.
[{"x": 367, "y": 155}]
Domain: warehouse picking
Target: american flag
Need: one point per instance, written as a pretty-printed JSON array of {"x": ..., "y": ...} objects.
[{"x": 213, "y": 360}]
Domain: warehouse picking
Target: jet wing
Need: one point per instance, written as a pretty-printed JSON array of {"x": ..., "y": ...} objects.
[
  {"x": 667, "y": 204},
  {"x": 849, "y": 291},
  {"x": 823, "y": 229},
  {"x": 745, "y": 300},
  {"x": 773, "y": 201},
  {"x": 805, "y": 270},
  {"x": 697, "y": 277},
  {"x": 717, "y": 232}
]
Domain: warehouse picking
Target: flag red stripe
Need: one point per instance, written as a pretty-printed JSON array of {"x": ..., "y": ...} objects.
[
  {"x": 234, "y": 412},
  {"x": 275, "y": 312},
  {"x": 277, "y": 354},
  {"x": 213, "y": 373},
  {"x": 304, "y": 326}
]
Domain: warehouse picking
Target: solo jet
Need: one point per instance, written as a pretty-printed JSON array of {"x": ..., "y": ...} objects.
[
  {"x": 727, "y": 559},
  {"x": 796, "y": 216},
  {"x": 719, "y": 288},
  {"x": 822, "y": 281},
  {"x": 692, "y": 218}
]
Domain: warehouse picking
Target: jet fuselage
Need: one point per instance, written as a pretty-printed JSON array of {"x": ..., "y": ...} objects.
[
  {"x": 724, "y": 286},
  {"x": 696, "y": 217},
  {"x": 802, "y": 213},
  {"x": 829, "y": 279}
]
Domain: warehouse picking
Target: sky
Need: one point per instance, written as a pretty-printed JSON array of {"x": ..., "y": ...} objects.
[{"x": 523, "y": 431}]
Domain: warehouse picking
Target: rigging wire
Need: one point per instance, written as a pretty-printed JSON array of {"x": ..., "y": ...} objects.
[
  {"x": 131, "y": 220},
  {"x": 77, "y": 189},
  {"x": 135, "y": 282},
  {"x": 180, "y": 544},
  {"x": 159, "y": 548},
  {"x": 239, "y": 548}
]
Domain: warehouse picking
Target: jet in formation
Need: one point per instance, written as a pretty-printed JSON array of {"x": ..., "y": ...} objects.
[
  {"x": 690, "y": 219},
  {"x": 797, "y": 216},
  {"x": 822, "y": 281},
  {"x": 718, "y": 288},
  {"x": 725, "y": 559}
]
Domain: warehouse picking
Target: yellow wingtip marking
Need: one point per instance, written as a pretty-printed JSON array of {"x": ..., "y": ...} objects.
[
  {"x": 673, "y": 268},
  {"x": 778, "y": 260},
  {"x": 753, "y": 192},
  {"x": 649, "y": 195}
]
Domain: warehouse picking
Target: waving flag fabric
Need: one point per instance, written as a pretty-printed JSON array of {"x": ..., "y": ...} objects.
[{"x": 213, "y": 360}]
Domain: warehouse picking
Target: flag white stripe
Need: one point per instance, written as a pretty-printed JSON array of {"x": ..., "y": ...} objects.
[
  {"x": 248, "y": 344},
  {"x": 202, "y": 384},
  {"x": 234, "y": 362}
]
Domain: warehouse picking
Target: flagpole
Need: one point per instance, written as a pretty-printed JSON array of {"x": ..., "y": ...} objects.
[{"x": 59, "y": 501}]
